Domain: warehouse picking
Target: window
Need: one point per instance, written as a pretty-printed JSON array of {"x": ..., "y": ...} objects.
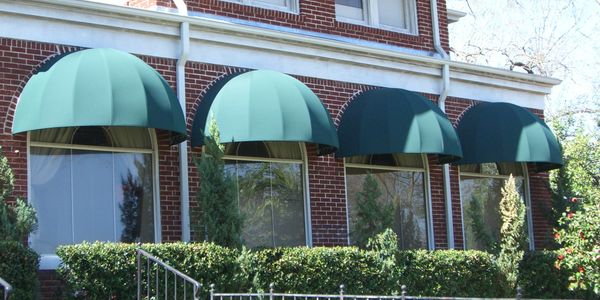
[
  {"x": 283, "y": 5},
  {"x": 269, "y": 178},
  {"x": 91, "y": 184},
  {"x": 394, "y": 15},
  {"x": 401, "y": 179},
  {"x": 480, "y": 192}
]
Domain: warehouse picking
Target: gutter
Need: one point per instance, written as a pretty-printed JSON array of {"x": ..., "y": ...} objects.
[
  {"x": 442, "y": 104},
  {"x": 184, "y": 189}
]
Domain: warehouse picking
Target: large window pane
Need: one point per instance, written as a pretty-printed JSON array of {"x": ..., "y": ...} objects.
[
  {"x": 481, "y": 201},
  {"x": 272, "y": 202},
  {"x": 90, "y": 195},
  {"x": 50, "y": 194},
  {"x": 93, "y": 201},
  {"x": 404, "y": 191},
  {"x": 134, "y": 197}
]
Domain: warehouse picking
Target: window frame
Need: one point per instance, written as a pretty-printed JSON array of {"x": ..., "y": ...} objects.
[
  {"x": 305, "y": 186},
  {"x": 52, "y": 261},
  {"x": 291, "y": 6},
  {"x": 371, "y": 17},
  {"x": 526, "y": 196},
  {"x": 426, "y": 193}
]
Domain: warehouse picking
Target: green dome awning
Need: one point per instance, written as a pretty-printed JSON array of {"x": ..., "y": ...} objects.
[
  {"x": 504, "y": 132},
  {"x": 99, "y": 87},
  {"x": 265, "y": 106},
  {"x": 387, "y": 120}
]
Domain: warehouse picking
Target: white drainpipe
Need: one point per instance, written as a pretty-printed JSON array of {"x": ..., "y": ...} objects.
[
  {"x": 442, "y": 104},
  {"x": 184, "y": 189}
]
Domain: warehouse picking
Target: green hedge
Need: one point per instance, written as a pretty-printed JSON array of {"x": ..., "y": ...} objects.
[
  {"x": 105, "y": 269},
  {"x": 319, "y": 270},
  {"x": 540, "y": 279},
  {"x": 18, "y": 266},
  {"x": 451, "y": 273}
]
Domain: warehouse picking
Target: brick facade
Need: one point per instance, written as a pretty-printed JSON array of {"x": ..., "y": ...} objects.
[{"x": 326, "y": 182}]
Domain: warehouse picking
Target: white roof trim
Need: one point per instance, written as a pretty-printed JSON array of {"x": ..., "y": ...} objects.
[
  {"x": 146, "y": 32},
  {"x": 454, "y": 15}
]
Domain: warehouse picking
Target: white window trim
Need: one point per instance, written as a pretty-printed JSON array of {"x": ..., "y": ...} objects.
[
  {"x": 526, "y": 195},
  {"x": 305, "y": 185},
  {"x": 52, "y": 261},
  {"x": 426, "y": 193},
  {"x": 371, "y": 17},
  {"x": 291, "y": 6}
]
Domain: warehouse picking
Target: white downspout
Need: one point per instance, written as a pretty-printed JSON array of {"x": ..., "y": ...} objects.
[
  {"x": 442, "y": 104},
  {"x": 184, "y": 189}
]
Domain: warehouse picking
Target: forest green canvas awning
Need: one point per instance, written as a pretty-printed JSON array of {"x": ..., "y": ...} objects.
[
  {"x": 265, "y": 105},
  {"x": 99, "y": 87},
  {"x": 504, "y": 132},
  {"x": 388, "y": 120}
]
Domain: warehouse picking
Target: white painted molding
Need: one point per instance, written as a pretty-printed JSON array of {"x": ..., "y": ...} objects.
[{"x": 154, "y": 33}]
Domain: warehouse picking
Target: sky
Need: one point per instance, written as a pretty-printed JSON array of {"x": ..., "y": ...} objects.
[{"x": 559, "y": 38}]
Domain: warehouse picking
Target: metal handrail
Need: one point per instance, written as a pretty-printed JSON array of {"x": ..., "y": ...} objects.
[
  {"x": 6, "y": 287},
  {"x": 184, "y": 279}
]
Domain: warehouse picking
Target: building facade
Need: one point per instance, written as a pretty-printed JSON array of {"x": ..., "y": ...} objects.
[{"x": 311, "y": 98}]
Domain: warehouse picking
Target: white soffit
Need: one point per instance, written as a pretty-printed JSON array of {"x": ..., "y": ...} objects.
[{"x": 91, "y": 24}]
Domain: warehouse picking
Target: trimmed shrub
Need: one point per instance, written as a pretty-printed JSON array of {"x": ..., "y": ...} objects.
[
  {"x": 319, "y": 270},
  {"x": 455, "y": 273},
  {"x": 539, "y": 278},
  {"x": 105, "y": 270},
  {"x": 18, "y": 266}
]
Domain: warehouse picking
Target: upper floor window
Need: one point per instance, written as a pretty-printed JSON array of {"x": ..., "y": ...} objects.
[
  {"x": 394, "y": 15},
  {"x": 283, "y": 5}
]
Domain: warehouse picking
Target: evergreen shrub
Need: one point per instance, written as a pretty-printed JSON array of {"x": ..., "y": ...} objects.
[{"x": 18, "y": 266}]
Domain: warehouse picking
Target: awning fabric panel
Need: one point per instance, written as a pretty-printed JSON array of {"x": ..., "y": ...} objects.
[
  {"x": 388, "y": 120},
  {"x": 99, "y": 87},
  {"x": 266, "y": 106},
  {"x": 504, "y": 132}
]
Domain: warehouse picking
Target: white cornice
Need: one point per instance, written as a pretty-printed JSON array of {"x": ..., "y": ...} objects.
[
  {"x": 454, "y": 15},
  {"x": 93, "y": 24}
]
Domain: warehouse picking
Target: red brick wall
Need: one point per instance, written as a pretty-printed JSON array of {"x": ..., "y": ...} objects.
[
  {"x": 18, "y": 59},
  {"x": 319, "y": 16}
]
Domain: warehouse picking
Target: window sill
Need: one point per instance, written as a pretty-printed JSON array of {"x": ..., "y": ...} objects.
[{"x": 49, "y": 262}]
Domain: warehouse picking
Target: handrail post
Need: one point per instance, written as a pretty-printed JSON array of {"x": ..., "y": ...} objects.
[
  {"x": 403, "y": 293},
  {"x": 271, "y": 290},
  {"x": 212, "y": 291},
  {"x": 342, "y": 291},
  {"x": 139, "y": 273},
  {"x": 519, "y": 293},
  {"x": 6, "y": 287}
]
